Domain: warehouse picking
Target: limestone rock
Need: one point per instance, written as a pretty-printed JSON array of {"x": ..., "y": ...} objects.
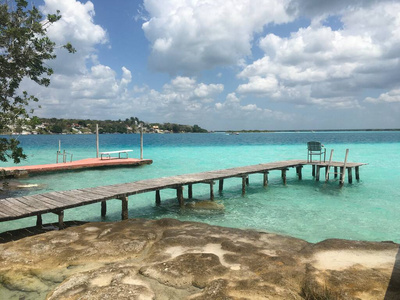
[{"x": 169, "y": 259}]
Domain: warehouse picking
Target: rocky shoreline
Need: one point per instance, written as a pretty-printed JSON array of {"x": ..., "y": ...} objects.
[{"x": 170, "y": 259}]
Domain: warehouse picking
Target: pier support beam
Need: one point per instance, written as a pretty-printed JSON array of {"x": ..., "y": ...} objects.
[
  {"x": 357, "y": 171},
  {"x": 124, "y": 211},
  {"x": 313, "y": 171},
  {"x": 247, "y": 180},
  {"x": 265, "y": 179},
  {"x": 335, "y": 172},
  {"x": 298, "y": 171},
  {"x": 243, "y": 185},
  {"x": 317, "y": 173},
  {"x": 60, "y": 214},
  {"x": 190, "y": 191},
  {"x": 103, "y": 208},
  {"x": 39, "y": 221},
  {"x": 158, "y": 198},
  {"x": 341, "y": 176},
  {"x": 284, "y": 176},
  {"x": 221, "y": 185},
  {"x": 212, "y": 190},
  {"x": 343, "y": 169},
  {"x": 179, "y": 195},
  {"x": 349, "y": 175}
]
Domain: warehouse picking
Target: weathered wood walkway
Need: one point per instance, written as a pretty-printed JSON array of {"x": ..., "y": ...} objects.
[
  {"x": 88, "y": 163},
  {"x": 57, "y": 202}
]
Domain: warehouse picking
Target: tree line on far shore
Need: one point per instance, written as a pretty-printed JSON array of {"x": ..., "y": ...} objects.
[{"x": 79, "y": 126}]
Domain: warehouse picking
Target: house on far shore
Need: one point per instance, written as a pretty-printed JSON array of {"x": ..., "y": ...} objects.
[{"x": 156, "y": 129}]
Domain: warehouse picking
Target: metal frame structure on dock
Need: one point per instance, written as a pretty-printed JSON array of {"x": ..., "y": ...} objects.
[{"x": 57, "y": 202}]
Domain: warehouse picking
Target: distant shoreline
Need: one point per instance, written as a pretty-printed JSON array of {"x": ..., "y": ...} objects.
[{"x": 305, "y": 130}]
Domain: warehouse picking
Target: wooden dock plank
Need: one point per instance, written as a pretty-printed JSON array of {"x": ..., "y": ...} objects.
[
  {"x": 37, "y": 204},
  {"x": 6, "y": 209},
  {"x": 14, "y": 205},
  {"x": 18, "y": 202}
]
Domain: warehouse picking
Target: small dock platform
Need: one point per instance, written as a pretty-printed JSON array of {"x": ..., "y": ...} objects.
[
  {"x": 57, "y": 202},
  {"x": 89, "y": 163}
]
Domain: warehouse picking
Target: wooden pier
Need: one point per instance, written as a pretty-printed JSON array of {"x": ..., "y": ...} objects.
[
  {"x": 89, "y": 163},
  {"x": 57, "y": 202}
]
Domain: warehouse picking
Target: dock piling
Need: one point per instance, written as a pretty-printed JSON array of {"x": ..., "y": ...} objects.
[
  {"x": 124, "y": 212},
  {"x": 349, "y": 175},
  {"x": 179, "y": 195},
  {"x": 212, "y": 190},
  {"x": 299, "y": 172},
  {"x": 318, "y": 173},
  {"x": 60, "y": 214},
  {"x": 158, "y": 198},
  {"x": 284, "y": 176},
  {"x": 190, "y": 191},
  {"x": 265, "y": 179},
  {"x": 343, "y": 169},
  {"x": 243, "y": 185},
  {"x": 39, "y": 221},
  {"x": 221, "y": 185},
  {"x": 103, "y": 208}
]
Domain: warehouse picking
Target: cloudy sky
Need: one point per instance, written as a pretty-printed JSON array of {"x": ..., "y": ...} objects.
[{"x": 227, "y": 64}]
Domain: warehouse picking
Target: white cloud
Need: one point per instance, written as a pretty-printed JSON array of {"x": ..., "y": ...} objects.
[
  {"x": 330, "y": 68},
  {"x": 189, "y": 36},
  {"x": 260, "y": 85},
  {"x": 181, "y": 99},
  {"x": 77, "y": 27},
  {"x": 232, "y": 112},
  {"x": 80, "y": 86},
  {"x": 389, "y": 97}
]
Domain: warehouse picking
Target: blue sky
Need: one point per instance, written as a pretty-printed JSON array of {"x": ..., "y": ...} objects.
[{"x": 227, "y": 64}]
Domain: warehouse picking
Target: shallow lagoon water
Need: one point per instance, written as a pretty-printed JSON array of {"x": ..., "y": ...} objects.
[{"x": 365, "y": 210}]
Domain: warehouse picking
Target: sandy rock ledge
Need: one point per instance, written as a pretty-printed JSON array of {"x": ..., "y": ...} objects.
[{"x": 169, "y": 259}]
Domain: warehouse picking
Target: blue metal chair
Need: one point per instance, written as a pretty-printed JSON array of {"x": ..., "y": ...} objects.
[{"x": 315, "y": 148}]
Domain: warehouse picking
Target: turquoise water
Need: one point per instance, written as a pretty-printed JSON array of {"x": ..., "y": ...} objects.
[{"x": 365, "y": 210}]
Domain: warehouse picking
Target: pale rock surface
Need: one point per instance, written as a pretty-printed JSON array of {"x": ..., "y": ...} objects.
[{"x": 169, "y": 259}]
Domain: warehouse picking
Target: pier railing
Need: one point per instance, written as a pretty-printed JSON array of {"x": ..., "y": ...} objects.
[{"x": 64, "y": 156}]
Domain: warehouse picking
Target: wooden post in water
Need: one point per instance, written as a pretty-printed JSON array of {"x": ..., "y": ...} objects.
[
  {"x": 243, "y": 185},
  {"x": 335, "y": 172},
  {"x": 158, "y": 198},
  {"x": 179, "y": 195},
  {"x": 61, "y": 224},
  {"x": 284, "y": 176},
  {"x": 141, "y": 141},
  {"x": 343, "y": 169},
  {"x": 212, "y": 190},
  {"x": 221, "y": 185},
  {"x": 265, "y": 179},
  {"x": 124, "y": 212},
  {"x": 103, "y": 208},
  {"x": 357, "y": 171},
  {"x": 313, "y": 170},
  {"x": 317, "y": 173},
  {"x": 97, "y": 140},
  {"x": 39, "y": 221},
  {"x": 247, "y": 180},
  {"x": 349, "y": 175},
  {"x": 190, "y": 191},
  {"x": 298, "y": 171},
  {"x": 328, "y": 167}
]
